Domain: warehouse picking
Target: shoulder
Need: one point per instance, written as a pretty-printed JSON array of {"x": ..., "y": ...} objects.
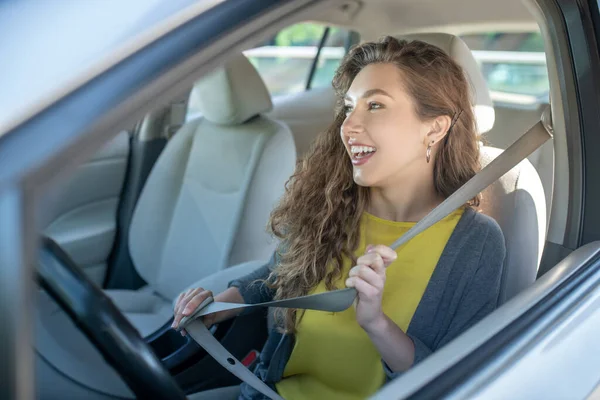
[
  {"x": 482, "y": 232},
  {"x": 488, "y": 225}
]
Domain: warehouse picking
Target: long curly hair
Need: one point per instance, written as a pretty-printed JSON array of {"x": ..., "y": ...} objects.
[{"x": 317, "y": 219}]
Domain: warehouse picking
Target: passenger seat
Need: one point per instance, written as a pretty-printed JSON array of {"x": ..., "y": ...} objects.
[
  {"x": 207, "y": 200},
  {"x": 511, "y": 123}
]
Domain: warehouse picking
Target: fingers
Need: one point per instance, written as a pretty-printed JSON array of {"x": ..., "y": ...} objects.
[
  {"x": 179, "y": 314},
  {"x": 369, "y": 275},
  {"x": 185, "y": 299},
  {"x": 387, "y": 254},
  {"x": 195, "y": 301},
  {"x": 364, "y": 289},
  {"x": 187, "y": 304},
  {"x": 182, "y": 299},
  {"x": 178, "y": 303},
  {"x": 373, "y": 261}
]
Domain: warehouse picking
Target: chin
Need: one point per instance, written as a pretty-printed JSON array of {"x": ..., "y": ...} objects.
[{"x": 361, "y": 180}]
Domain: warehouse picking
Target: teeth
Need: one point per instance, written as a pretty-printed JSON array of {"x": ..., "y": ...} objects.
[{"x": 361, "y": 149}]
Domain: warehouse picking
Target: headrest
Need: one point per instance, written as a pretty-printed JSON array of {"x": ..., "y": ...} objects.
[
  {"x": 231, "y": 94},
  {"x": 483, "y": 107}
]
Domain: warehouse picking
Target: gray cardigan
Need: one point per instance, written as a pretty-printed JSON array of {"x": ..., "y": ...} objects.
[{"x": 464, "y": 288}]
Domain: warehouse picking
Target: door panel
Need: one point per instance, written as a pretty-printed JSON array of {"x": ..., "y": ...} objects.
[{"x": 83, "y": 213}]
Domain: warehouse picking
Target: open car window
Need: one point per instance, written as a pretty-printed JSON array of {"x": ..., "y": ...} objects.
[{"x": 514, "y": 66}]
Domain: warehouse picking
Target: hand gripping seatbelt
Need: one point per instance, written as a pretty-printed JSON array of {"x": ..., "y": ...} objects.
[{"x": 339, "y": 300}]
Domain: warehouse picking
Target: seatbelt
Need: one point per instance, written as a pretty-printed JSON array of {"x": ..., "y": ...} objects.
[{"x": 339, "y": 300}]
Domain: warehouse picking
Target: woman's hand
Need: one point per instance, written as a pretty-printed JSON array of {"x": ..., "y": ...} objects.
[
  {"x": 368, "y": 278},
  {"x": 187, "y": 303}
]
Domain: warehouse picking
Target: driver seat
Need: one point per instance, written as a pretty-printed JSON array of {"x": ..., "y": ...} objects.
[{"x": 204, "y": 207}]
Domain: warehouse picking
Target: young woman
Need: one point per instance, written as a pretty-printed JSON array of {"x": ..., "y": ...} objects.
[{"x": 404, "y": 139}]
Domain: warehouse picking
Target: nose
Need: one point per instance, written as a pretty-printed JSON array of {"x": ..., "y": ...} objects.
[{"x": 352, "y": 125}]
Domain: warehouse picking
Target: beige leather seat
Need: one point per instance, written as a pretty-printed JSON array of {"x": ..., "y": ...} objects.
[
  {"x": 517, "y": 202},
  {"x": 207, "y": 200},
  {"x": 204, "y": 207},
  {"x": 511, "y": 122}
]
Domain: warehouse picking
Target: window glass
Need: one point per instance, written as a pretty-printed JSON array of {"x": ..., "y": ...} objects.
[
  {"x": 513, "y": 64},
  {"x": 284, "y": 61},
  {"x": 331, "y": 55}
]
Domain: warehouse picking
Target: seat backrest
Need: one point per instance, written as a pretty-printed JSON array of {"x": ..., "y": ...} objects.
[
  {"x": 511, "y": 123},
  {"x": 207, "y": 200},
  {"x": 516, "y": 201}
]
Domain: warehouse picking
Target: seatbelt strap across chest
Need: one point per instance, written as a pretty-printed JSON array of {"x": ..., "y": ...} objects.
[{"x": 339, "y": 300}]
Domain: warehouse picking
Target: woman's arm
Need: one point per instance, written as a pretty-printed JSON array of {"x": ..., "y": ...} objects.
[
  {"x": 368, "y": 278},
  {"x": 397, "y": 350},
  {"x": 252, "y": 287},
  {"x": 245, "y": 290}
]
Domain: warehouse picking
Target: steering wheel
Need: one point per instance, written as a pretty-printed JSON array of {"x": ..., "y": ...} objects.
[{"x": 104, "y": 325}]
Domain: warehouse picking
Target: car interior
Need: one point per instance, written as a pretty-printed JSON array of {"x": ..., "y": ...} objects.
[{"x": 182, "y": 198}]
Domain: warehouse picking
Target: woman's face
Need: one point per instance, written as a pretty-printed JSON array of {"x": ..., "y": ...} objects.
[{"x": 383, "y": 135}]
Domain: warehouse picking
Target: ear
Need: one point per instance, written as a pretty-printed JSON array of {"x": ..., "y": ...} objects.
[{"x": 438, "y": 129}]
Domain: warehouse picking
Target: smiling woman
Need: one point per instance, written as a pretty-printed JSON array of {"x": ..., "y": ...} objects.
[
  {"x": 399, "y": 98},
  {"x": 398, "y": 147}
]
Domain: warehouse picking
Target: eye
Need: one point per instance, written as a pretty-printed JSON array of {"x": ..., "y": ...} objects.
[
  {"x": 347, "y": 109},
  {"x": 374, "y": 105}
]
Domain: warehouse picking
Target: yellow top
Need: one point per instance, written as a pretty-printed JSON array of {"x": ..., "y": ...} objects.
[{"x": 333, "y": 357}]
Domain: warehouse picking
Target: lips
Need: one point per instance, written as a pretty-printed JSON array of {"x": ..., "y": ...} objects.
[
  {"x": 360, "y": 159},
  {"x": 361, "y": 153}
]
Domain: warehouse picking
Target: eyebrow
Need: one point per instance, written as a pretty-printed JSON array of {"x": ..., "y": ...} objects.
[{"x": 370, "y": 93}]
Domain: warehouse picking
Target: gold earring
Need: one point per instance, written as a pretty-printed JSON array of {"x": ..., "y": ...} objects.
[{"x": 428, "y": 153}]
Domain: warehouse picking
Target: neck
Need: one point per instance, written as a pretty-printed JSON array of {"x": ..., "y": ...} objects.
[{"x": 406, "y": 200}]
